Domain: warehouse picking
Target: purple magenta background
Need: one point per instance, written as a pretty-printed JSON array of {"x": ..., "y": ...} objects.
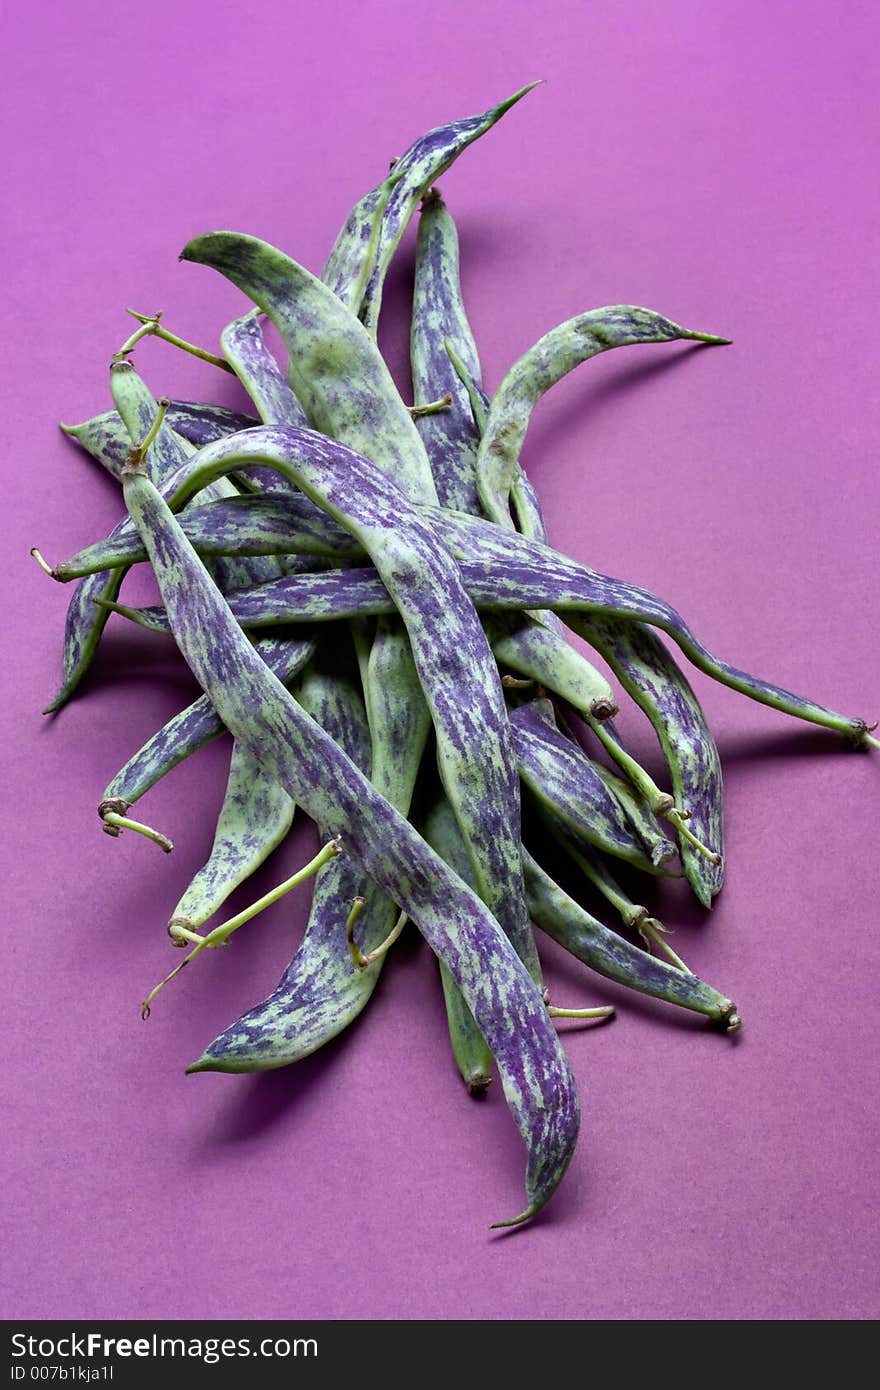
[{"x": 712, "y": 161}]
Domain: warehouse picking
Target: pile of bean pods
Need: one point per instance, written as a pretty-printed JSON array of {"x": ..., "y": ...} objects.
[{"x": 365, "y": 593}]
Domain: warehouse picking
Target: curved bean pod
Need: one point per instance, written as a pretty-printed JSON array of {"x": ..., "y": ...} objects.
[
  {"x": 85, "y": 620},
  {"x": 321, "y": 992},
  {"x": 108, "y": 441},
  {"x": 335, "y": 369},
  {"x": 255, "y": 817},
  {"x": 240, "y": 526},
  {"x": 556, "y": 769},
  {"x": 197, "y": 725},
  {"x": 246, "y": 352},
  {"x": 549, "y": 579},
  {"x": 554, "y": 355},
  {"x": 556, "y": 778},
  {"x": 259, "y": 712},
  {"x": 458, "y": 674},
  {"x": 360, "y": 257},
  {"x": 353, "y": 254},
  {"x": 610, "y": 955},
  {"x": 438, "y": 315},
  {"x": 649, "y": 674},
  {"x": 506, "y": 570}
]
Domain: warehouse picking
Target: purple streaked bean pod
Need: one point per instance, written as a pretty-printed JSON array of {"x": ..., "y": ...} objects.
[
  {"x": 359, "y": 260},
  {"x": 534, "y": 651},
  {"x": 455, "y": 665},
  {"x": 197, "y": 725},
  {"x": 320, "y": 777},
  {"x": 610, "y": 955},
  {"x": 640, "y": 816},
  {"x": 335, "y": 368},
  {"x": 548, "y": 579},
  {"x": 321, "y": 992},
  {"x": 555, "y": 768},
  {"x": 108, "y": 441},
  {"x": 506, "y": 570},
  {"x": 240, "y": 526},
  {"x": 558, "y": 352},
  {"x": 85, "y": 620},
  {"x": 254, "y": 818},
  {"x": 649, "y": 674},
  {"x": 438, "y": 316},
  {"x": 244, "y": 348}
]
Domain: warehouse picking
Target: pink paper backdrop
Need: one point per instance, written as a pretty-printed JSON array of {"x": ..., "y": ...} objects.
[{"x": 714, "y": 161}]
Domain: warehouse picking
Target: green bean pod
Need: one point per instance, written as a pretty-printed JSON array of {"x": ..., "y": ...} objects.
[
  {"x": 195, "y": 726},
  {"x": 648, "y": 673},
  {"x": 552, "y": 357},
  {"x": 610, "y": 955},
  {"x": 472, "y": 1056},
  {"x": 361, "y": 255},
  {"x": 107, "y": 440},
  {"x": 335, "y": 368}
]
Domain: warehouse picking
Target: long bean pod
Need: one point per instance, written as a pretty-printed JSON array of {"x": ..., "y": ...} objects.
[
  {"x": 335, "y": 368},
  {"x": 648, "y": 673},
  {"x": 361, "y": 254},
  {"x": 509, "y": 571},
  {"x": 438, "y": 318},
  {"x": 558, "y": 352},
  {"x": 196, "y": 725},
  {"x": 455, "y": 665},
  {"x": 259, "y": 712},
  {"x": 610, "y": 955},
  {"x": 108, "y": 441},
  {"x": 321, "y": 992}
]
